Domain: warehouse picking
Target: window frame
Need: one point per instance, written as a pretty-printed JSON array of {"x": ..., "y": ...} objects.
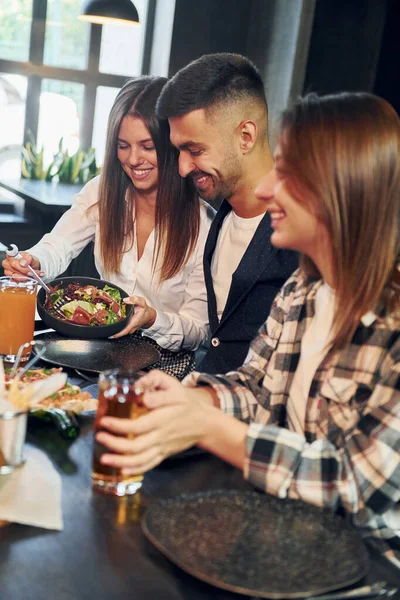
[{"x": 91, "y": 77}]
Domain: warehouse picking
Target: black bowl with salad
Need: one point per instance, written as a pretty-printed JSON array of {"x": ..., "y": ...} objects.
[{"x": 94, "y": 308}]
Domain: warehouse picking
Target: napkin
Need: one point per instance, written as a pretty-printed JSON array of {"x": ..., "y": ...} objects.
[{"x": 31, "y": 495}]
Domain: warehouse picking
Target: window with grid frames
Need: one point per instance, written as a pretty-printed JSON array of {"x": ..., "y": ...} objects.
[{"x": 59, "y": 76}]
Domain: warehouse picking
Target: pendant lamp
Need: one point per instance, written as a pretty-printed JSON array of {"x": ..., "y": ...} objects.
[{"x": 102, "y": 12}]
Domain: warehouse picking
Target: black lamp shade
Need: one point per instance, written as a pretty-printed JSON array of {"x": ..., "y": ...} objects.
[{"x": 109, "y": 11}]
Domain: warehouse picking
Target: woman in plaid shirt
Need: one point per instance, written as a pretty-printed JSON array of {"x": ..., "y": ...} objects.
[{"x": 314, "y": 413}]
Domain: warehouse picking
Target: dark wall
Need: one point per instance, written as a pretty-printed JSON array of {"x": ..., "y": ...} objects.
[
  {"x": 387, "y": 83},
  {"x": 345, "y": 45},
  {"x": 208, "y": 26},
  {"x": 354, "y": 45}
]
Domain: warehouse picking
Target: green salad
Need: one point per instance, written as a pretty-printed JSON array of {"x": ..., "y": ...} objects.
[{"x": 87, "y": 305}]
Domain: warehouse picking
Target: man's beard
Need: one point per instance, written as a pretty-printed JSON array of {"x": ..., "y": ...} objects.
[
  {"x": 218, "y": 190},
  {"x": 223, "y": 186}
]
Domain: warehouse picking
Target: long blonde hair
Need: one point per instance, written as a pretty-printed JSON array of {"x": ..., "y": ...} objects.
[{"x": 342, "y": 153}]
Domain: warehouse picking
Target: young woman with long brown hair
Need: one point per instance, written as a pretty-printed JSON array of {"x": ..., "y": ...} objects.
[
  {"x": 317, "y": 402},
  {"x": 148, "y": 226}
]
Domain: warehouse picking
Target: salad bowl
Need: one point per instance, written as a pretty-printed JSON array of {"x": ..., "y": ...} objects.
[{"x": 73, "y": 329}]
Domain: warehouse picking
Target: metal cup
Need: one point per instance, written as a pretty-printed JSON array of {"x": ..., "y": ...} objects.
[{"x": 12, "y": 439}]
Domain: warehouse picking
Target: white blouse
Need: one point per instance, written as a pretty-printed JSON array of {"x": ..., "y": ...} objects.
[{"x": 180, "y": 302}]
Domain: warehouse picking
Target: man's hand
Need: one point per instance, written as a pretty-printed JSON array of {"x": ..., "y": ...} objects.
[{"x": 142, "y": 318}]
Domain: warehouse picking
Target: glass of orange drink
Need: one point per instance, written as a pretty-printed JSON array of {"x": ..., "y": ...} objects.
[{"x": 17, "y": 316}]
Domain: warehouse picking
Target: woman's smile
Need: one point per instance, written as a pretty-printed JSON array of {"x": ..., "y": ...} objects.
[
  {"x": 140, "y": 174},
  {"x": 276, "y": 217}
]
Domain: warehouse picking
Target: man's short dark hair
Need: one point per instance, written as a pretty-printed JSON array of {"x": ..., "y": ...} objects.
[{"x": 210, "y": 81}]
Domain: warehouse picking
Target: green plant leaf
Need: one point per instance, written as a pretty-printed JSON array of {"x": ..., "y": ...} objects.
[
  {"x": 89, "y": 158},
  {"x": 24, "y": 171},
  {"x": 31, "y": 152},
  {"x": 76, "y": 167},
  {"x": 39, "y": 165},
  {"x": 26, "y": 156},
  {"x": 51, "y": 172}
]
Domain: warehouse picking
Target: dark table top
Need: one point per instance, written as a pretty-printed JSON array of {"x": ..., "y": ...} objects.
[
  {"x": 102, "y": 553},
  {"x": 44, "y": 195}
]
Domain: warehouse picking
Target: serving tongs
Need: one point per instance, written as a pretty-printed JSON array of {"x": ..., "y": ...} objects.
[
  {"x": 40, "y": 350},
  {"x": 15, "y": 253}
]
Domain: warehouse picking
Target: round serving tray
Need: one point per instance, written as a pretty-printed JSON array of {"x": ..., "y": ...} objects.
[
  {"x": 95, "y": 355},
  {"x": 255, "y": 544}
]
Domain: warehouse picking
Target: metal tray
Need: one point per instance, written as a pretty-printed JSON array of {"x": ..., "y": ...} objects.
[{"x": 98, "y": 355}]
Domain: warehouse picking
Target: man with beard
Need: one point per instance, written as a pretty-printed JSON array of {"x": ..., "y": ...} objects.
[{"x": 218, "y": 116}]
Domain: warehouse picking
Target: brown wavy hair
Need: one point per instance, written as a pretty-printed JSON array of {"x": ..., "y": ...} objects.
[
  {"x": 342, "y": 154},
  {"x": 177, "y": 219}
]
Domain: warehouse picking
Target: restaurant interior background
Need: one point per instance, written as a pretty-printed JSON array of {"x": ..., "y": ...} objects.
[{"x": 59, "y": 76}]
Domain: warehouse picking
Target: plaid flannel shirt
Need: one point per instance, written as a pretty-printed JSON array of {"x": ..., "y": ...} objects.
[{"x": 349, "y": 454}]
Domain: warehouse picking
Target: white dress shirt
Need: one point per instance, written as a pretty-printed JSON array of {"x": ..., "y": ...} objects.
[{"x": 180, "y": 302}]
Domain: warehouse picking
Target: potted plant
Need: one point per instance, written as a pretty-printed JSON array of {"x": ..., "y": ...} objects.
[{"x": 80, "y": 167}]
